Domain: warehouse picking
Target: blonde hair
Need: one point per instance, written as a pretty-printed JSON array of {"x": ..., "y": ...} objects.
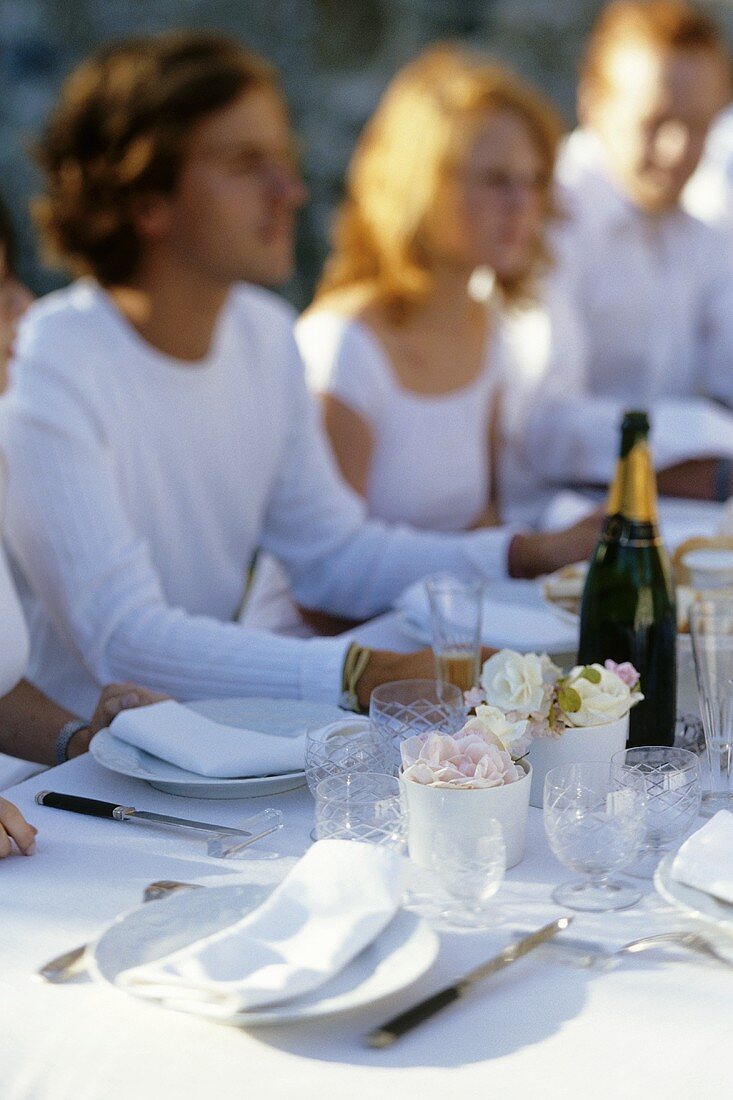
[{"x": 419, "y": 133}]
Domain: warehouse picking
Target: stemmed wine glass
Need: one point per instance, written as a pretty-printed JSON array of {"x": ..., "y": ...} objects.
[
  {"x": 594, "y": 827},
  {"x": 672, "y": 781}
]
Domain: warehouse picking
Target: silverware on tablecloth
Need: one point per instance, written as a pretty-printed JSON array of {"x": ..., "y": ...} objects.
[
  {"x": 588, "y": 952},
  {"x": 64, "y": 967},
  {"x": 386, "y": 1034},
  {"x": 96, "y": 808}
]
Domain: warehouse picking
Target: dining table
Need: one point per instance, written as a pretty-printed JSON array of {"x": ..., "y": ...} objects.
[{"x": 657, "y": 1024}]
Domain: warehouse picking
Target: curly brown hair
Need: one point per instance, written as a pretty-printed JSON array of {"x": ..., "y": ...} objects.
[{"x": 117, "y": 134}]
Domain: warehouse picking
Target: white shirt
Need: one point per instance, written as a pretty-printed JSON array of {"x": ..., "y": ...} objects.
[
  {"x": 139, "y": 488},
  {"x": 430, "y": 461},
  {"x": 709, "y": 193},
  {"x": 652, "y": 299}
]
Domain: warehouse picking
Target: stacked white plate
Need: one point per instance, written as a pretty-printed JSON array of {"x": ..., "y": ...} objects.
[{"x": 282, "y": 717}]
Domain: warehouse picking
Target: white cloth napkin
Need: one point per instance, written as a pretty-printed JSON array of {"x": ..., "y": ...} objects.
[
  {"x": 174, "y": 733},
  {"x": 513, "y": 617},
  {"x": 334, "y": 902},
  {"x": 705, "y": 860}
]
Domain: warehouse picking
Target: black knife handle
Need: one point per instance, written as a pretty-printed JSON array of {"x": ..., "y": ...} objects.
[
  {"x": 393, "y": 1029},
  {"x": 76, "y": 803}
]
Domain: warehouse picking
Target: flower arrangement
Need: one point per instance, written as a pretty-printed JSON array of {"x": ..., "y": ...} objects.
[
  {"x": 522, "y": 697},
  {"x": 481, "y": 754},
  {"x": 530, "y": 688}
]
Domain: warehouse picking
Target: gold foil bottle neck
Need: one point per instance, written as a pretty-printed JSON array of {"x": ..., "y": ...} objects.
[{"x": 633, "y": 493}]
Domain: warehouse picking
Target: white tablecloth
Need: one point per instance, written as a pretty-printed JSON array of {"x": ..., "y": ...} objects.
[{"x": 652, "y": 1027}]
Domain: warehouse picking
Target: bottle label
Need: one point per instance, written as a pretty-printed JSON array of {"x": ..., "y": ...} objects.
[{"x": 620, "y": 530}]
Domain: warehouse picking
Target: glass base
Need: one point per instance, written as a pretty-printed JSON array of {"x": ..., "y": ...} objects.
[
  {"x": 712, "y": 802},
  {"x": 645, "y": 863},
  {"x": 596, "y": 897},
  {"x": 469, "y": 919}
]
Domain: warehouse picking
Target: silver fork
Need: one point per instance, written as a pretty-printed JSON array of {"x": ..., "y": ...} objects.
[
  {"x": 64, "y": 967},
  {"x": 693, "y": 941},
  {"x": 590, "y": 952}
]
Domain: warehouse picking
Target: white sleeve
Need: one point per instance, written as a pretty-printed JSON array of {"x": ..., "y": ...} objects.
[
  {"x": 337, "y": 559},
  {"x": 342, "y": 359},
  {"x": 68, "y": 527},
  {"x": 717, "y": 329}
]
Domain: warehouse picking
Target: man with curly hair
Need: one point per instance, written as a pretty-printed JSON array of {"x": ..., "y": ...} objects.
[{"x": 159, "y": 429}]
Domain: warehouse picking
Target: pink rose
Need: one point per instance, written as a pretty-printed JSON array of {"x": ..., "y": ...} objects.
[{"x": 625, "y": 671}]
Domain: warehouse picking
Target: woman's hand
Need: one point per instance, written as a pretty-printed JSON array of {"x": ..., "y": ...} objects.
[
  {"x": 114, "y": 698},
  {"x": 545, "y": 551},
  {"x": 117, "y": 697},
  {"x": 13, "y": 826}
]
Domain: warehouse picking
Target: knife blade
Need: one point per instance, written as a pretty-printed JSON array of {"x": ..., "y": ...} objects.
[
  {"x": 97, "y": 808},
  {"x": 386, "y": 1034}
]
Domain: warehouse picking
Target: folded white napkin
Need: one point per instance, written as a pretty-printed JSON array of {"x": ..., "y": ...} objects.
[
  {"x": 513, "y": 617},
  {"x": 335, "y": 901},
  {"x": 705, "y": 860},
  {"x": 174, "y": 733}
]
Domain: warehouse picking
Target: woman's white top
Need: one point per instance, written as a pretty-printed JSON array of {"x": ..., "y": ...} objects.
[
  {"x": 139, "y": 488},
  {"x": 13, "y": 633},
  {"x": 430, "y": 463}
]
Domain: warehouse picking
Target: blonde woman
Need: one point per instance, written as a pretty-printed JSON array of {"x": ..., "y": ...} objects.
[{"x": 451, "y": 177}]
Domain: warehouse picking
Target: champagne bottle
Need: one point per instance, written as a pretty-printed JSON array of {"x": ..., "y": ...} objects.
[{"x": 628, "y": 611}]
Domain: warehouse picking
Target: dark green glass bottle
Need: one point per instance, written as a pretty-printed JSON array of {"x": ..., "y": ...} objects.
[{"x": 628, "y": 611}]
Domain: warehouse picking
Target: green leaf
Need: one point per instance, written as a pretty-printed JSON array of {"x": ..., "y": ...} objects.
[
  {"x": 591, "y": 674},
  {"x": 569, "y": 700}
]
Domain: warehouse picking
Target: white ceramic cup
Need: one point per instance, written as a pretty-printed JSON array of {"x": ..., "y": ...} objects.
[{"x": 461, "y": 810}]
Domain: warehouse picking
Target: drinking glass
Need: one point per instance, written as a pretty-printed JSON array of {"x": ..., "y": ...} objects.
[
  {"x": 469, "y": 870},
  {"x": 595, "y": 828},
  {"x": 349, "y": 746},
  {"x": 711, "y": 628},
  {"x": 406, "y": 707},
  {"x": 672, "y": 781},
  {"x": 364, "y": 806},
  {"x": 455, "y": 619}
]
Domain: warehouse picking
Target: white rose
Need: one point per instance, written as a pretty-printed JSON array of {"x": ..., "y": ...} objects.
[
  {"x": 492, "y": 724},
  {"x": 515, "y": 682},
  {"x": 604, "y": 701}
]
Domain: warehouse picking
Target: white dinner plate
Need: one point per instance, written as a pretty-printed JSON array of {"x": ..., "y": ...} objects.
[
  {"x": 696, "y": 903},
  {"x": 286, "y": 717},
  {"x": 515, "y": 616},
  {"x": 403, "y": 951}
]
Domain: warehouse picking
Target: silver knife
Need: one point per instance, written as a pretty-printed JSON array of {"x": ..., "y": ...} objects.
[
  {"x": 96, "y": 808},
  {"x": 386, "y": 1034}
]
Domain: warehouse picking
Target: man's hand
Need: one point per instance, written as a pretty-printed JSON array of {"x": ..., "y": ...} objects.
[
  {"x": 13, "y": 826},
  {"x": 385, "y": 666}
]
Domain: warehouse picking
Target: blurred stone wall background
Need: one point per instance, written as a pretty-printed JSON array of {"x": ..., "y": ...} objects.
[{"x": 335, "y": 56}]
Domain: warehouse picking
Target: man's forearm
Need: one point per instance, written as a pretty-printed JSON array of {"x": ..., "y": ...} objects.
[
  {"x": 695, "y": 479},
  {"x": 30, "y": 723}
]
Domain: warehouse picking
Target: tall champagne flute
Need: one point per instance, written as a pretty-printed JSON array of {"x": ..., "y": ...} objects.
[{"x": 711, "y": 628}]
